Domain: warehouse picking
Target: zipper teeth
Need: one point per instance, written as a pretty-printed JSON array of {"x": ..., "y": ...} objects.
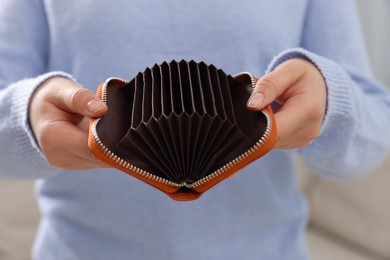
[
  {"x": 253, "y": 82},
  {"x": 104, "y": 90},
  {"x": 238, "y": 159},
  {"x": 113, "y": 157}
]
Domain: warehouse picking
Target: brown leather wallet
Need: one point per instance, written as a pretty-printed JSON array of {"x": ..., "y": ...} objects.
[{"x": 181, "y": 127}]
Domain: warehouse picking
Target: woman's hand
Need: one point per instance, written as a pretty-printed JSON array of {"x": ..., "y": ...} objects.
[
  {"x": 298, "y": 86},
  {"x": 59, "y": 115}
]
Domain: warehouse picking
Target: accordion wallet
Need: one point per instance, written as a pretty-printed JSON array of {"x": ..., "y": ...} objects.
[{"x": 181, "y": 127}]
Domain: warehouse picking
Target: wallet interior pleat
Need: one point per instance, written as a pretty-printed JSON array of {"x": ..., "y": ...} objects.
[{"x": 182, "y": 124}]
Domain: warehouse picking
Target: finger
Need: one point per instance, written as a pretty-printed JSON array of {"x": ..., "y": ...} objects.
[
  {"x": 79, "y": 143},
  {"x": 298, "y": 139},
  {"x": 287, "y": 127},
  {"x": 290, "y": 119},
  {"x": 75, "y": 99},
  {"x": 84, "y": 124},
  {"x": 71, "y": 143},
  {"x": 77, "y": 163},
  {"x": 234, "y": 174},
  {"x": 91, "y": 163},
  {"x": 274, "y": 84}
]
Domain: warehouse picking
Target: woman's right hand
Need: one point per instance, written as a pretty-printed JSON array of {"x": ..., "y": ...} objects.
[{"x": 59, "y": 115}]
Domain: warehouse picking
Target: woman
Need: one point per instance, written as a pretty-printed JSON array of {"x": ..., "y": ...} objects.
[{"x": 332, "y": 113}]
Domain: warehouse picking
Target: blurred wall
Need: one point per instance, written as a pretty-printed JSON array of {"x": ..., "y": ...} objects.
[{"x": 375, "y": 17}]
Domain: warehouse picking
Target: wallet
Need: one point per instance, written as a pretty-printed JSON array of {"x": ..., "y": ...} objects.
[{"x": 181, "y": 127}]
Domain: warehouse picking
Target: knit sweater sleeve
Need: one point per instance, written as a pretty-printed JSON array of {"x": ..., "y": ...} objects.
[
  {"x": 23, "y": 56},
  {"x": 354, "y": 136}
]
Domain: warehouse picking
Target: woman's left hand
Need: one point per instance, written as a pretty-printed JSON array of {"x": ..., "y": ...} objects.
[{"x": 299, "y": 87}]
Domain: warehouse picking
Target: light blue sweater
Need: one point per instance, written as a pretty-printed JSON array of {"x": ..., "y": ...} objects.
[{"x": 105, "y": 214}]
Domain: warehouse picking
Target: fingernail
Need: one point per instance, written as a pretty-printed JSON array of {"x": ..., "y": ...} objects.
[
  {"x": 95, "y": 106},
  {"x": 256, "y": 100}
]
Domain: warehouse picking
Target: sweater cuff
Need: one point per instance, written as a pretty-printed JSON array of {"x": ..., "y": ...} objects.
[
  {"x": 341, "y": 113},
  {"x": 339, "y": 100},
  {"x": 27, "y": 146}
]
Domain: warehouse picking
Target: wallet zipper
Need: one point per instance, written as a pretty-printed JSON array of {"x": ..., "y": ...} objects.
[
  {"x": 238, "y": 159},
  {"x": 159, "y": 179}
]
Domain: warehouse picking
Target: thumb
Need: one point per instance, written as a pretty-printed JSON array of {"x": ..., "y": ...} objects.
[
  {"x": 272, "y": 85},
  {"x": 75, "y": 99}
]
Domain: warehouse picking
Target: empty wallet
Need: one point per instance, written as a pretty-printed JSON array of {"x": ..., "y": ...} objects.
[{"x": 181, "y": 127}]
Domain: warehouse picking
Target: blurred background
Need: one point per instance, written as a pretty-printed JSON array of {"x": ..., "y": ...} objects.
[
  {"x": 349, "y": 221},
  {"x": 375, "y": 17}
]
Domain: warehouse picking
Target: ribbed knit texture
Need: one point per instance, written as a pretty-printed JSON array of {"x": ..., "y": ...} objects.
[
  {"x": 15, "y": 102},
  {"x": 349, "y": 155},
  {"x": 106, "y": 214}
]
